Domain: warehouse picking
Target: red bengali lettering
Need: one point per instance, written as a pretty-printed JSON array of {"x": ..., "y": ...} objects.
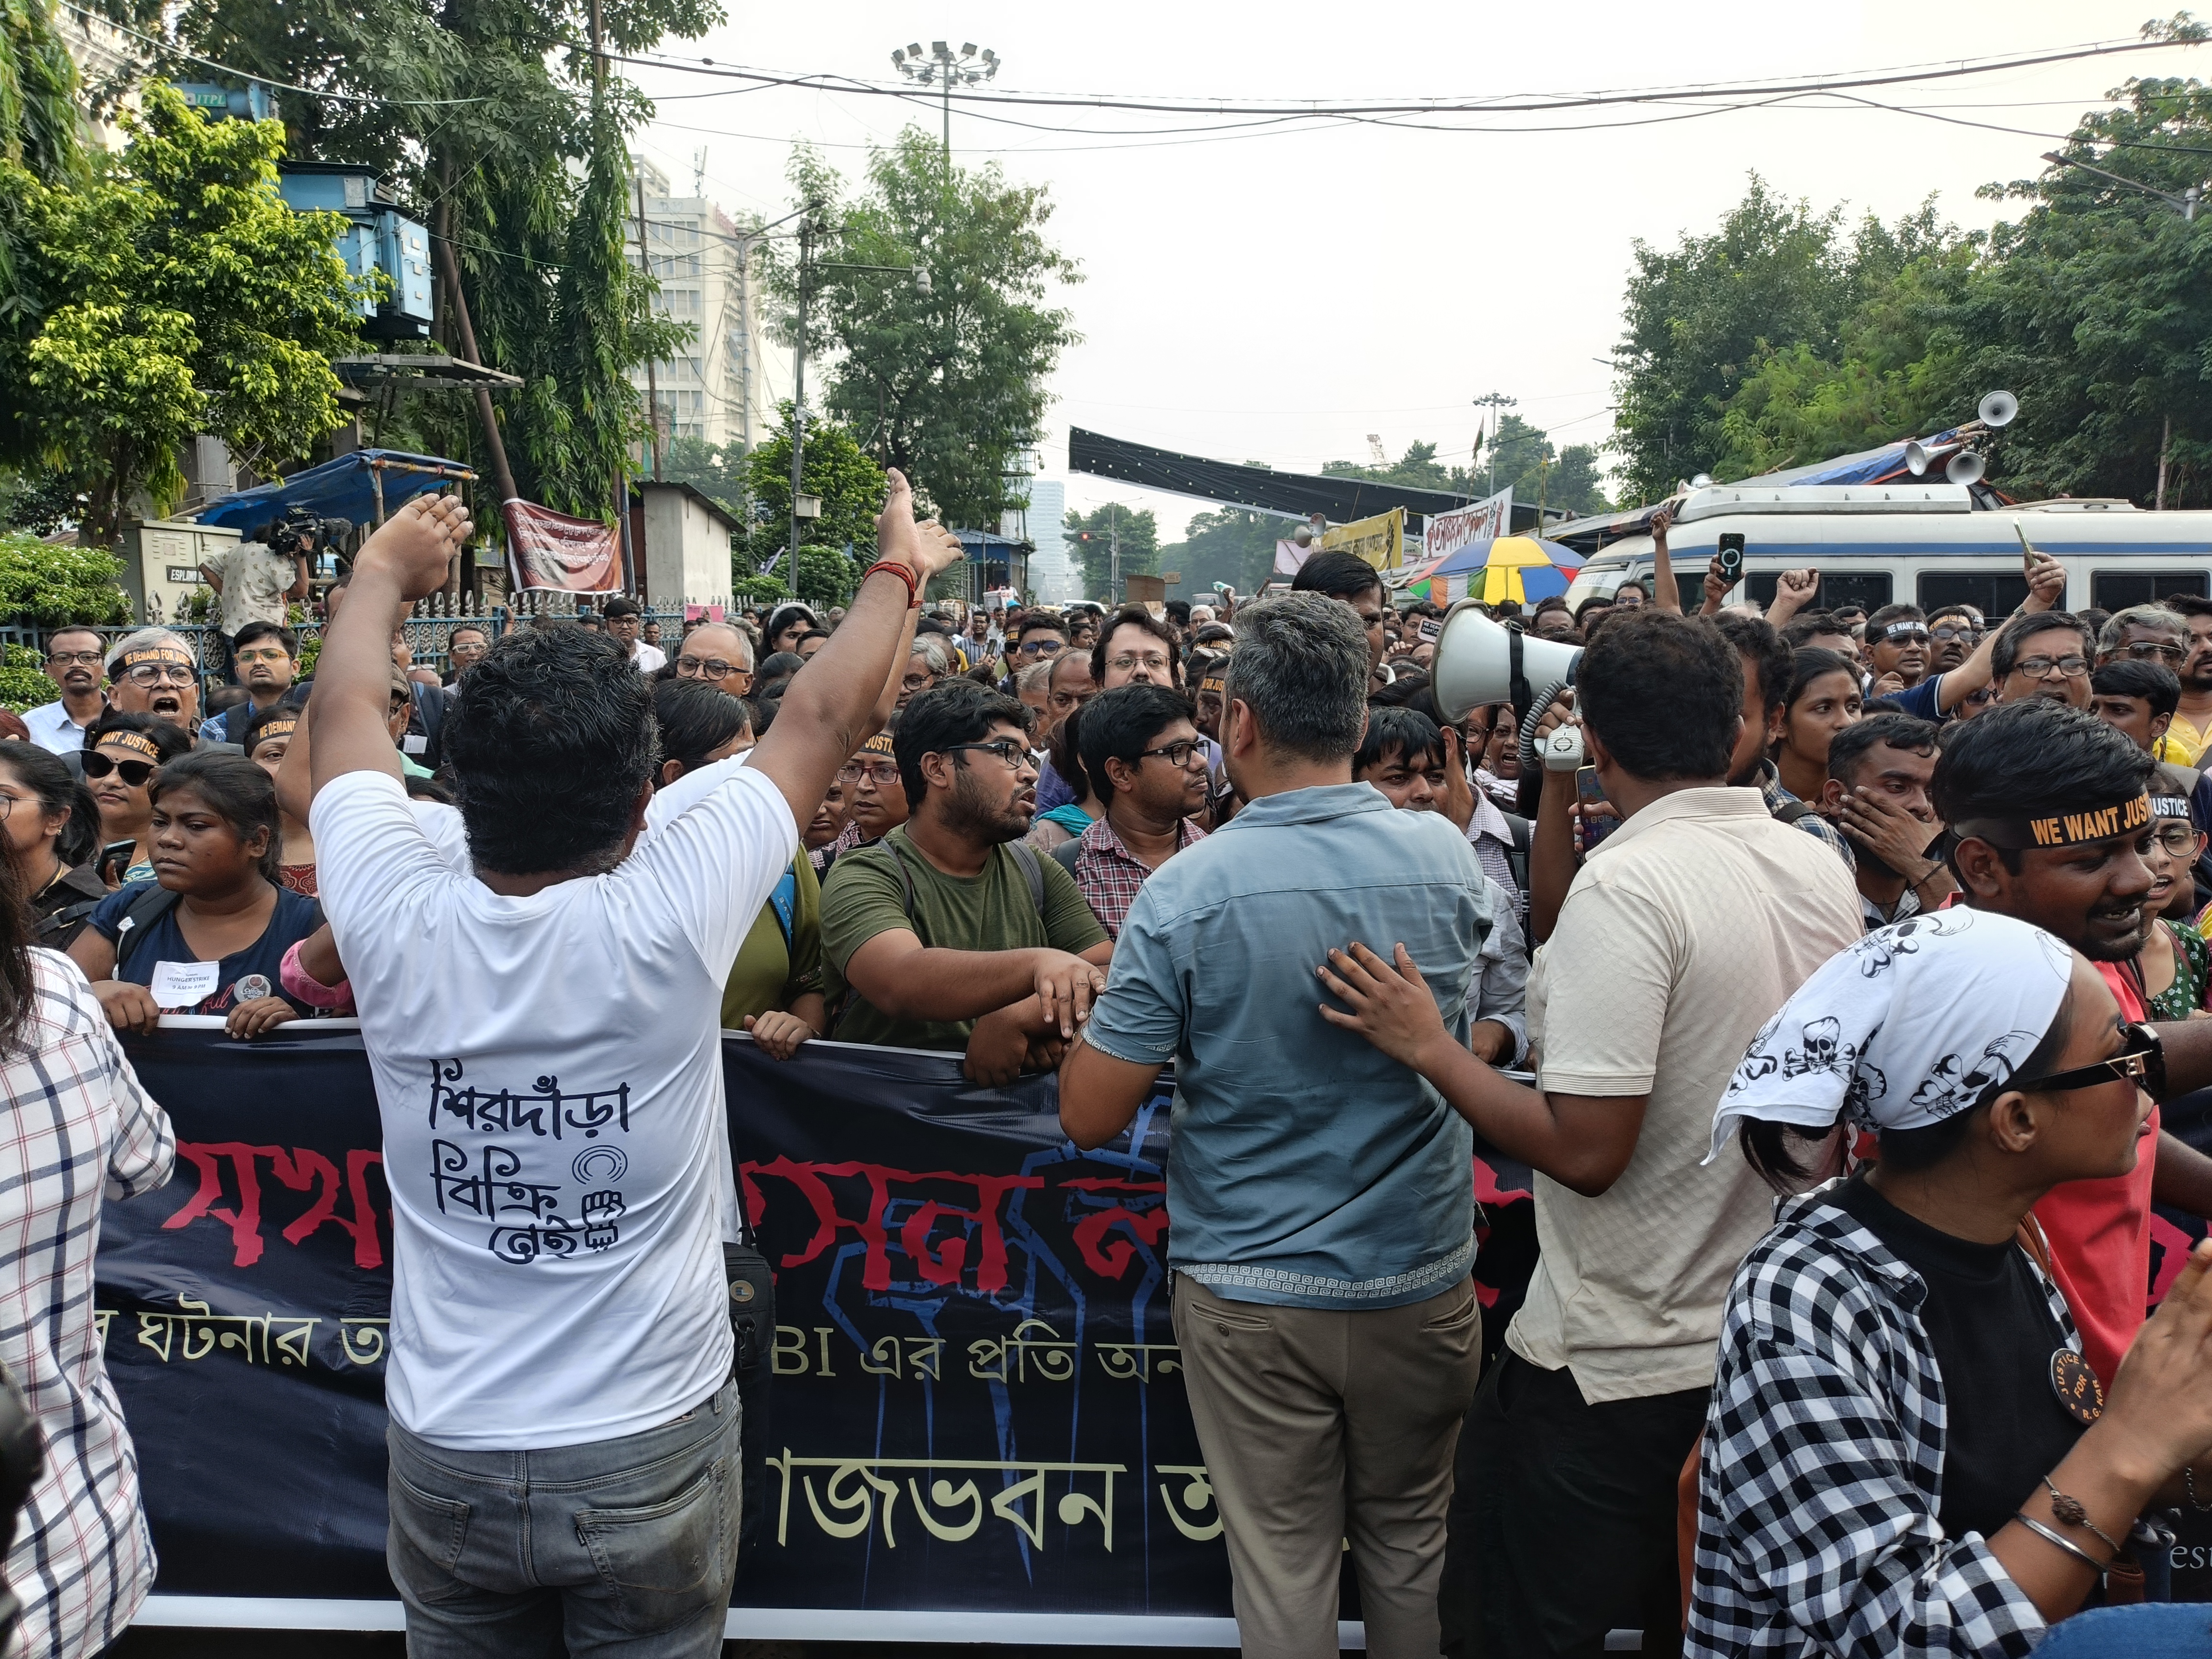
[
  {"x": 301, "y": 1170},
  {"x": 939, "y": 1263}
]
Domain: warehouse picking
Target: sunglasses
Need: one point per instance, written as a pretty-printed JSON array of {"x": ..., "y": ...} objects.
[
  {"x": 133, "y": 773},
  {"x": 2141, "y": 1062}
]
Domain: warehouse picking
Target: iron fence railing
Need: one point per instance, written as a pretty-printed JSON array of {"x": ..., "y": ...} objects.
[{"x": 428, "y": 628}]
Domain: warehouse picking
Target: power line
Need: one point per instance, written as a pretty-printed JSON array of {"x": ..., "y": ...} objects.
[{"x": 1503, "y": 104}]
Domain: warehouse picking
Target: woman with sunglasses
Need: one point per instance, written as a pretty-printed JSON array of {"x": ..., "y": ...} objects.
[
  {"x": 209, "y": 935},
  {"x": 268, "y": 738},
  {"x": 1907, "y": 1453},
  {"x": 122, "y": 752},
  {"x": 52, "y": 824},
  {"x": 2175, "y": 965}
]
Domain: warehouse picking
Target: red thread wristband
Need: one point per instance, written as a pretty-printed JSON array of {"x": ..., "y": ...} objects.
[{"x": 913, "y": 587}]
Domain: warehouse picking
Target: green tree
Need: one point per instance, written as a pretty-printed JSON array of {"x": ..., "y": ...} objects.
[
  {"x": 849, "y": 483},
  {"x": 44, "y": 584},
  {"x": 715, "y": 470},
  {"x": 39, "y": 121},
  {"x": 2096, "y": 308},
  {"x": 1417, "y": 469},
  {"x": 1090, "y": 539},
  {"x": 1231, "y": 545},
  {"x": 948, "y": 384},
  {"x": 489, "y": 110},
  {"x": 1540, "y": 474},
  {"x": 176, "y": 294}
]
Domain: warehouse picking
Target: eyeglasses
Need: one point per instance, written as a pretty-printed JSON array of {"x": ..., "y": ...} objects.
[
  {"x": 882, "y": 774},
  {"x": 2142, "y": 651},
  {"x": 401, "y": 700},
  {"x": 1006, "y": 749},
  {"x": 474, "y": 648},
  {"x": 1902, "y": 633},
  {"x": 151, "y": 673},
  {"x": 1174, "y": 754},
  {"x": 66, "y": 659},
  {"x": 1947, "y": 632},
  {"x": 709, "y": 668},
  {"x": 133, "y": 773},
  {"x": 2039, "y": 668},
  {"x": 2178, "y": 837},
  {"x": 2143, "y": 1062},
  {"x": 1981, "y": 698},
  {"x": 1126, "y": 662},
  {"x": 916, "y": 681},
  {"x": 1043, "y": 647},
  {"x": 275, "y": 653}
]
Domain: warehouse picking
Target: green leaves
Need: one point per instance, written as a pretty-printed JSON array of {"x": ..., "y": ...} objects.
[
  {"x": 947, "y": 386},
  {"x": 849, "y": 483},
  {"x": 173, "y": 294},
  {"x": 1139, "y": 535},
  {"x": 46, "y": 584}
]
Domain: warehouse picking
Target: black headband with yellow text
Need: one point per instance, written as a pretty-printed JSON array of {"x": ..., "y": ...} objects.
[
  {"x": 137, "y": 740},
  {"x": 2023, "y": 834},
  {"x": 275, "y": 729},
  {"x": 154, "y": 653}
]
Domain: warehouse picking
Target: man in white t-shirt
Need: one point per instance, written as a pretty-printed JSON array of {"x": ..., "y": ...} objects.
[{"x": 543, "y": 1031}]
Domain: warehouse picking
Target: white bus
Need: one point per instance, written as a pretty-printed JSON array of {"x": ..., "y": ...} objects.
[{"x": 1908, "y": 542}]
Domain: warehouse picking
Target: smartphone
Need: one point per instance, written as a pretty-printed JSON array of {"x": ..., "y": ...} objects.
[
  {"x": 1731, "y": 556},
  {"x": 114, "y": 860},
  {"x": 1596, "y": 827}
]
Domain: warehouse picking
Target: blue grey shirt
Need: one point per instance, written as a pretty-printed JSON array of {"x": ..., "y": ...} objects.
[{"x": 1306, "y": 1167}]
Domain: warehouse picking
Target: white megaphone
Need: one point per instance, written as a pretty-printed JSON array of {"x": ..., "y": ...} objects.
[
  {"x": 1916, "y": 458},
  {"x": 1966, "y": 467},
  {"x": 1998, "y": 408},
  {"x": 1479, "y": 662}
]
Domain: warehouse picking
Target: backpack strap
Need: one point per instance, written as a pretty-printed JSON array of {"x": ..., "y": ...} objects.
[
  {"x": 784, "y": 901},
  {"x": 1517, "y": 859},
  {"x": 1025, "y": 856},
  {"x": 145, "y": 910},
  {"x": 61, "y": 920},
  {"x": 1795, "y": 811},
  {"x": 1064, "y": 856}
]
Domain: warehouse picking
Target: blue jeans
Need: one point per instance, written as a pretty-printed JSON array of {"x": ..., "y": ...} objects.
[{"x": 622, "y": 1548}]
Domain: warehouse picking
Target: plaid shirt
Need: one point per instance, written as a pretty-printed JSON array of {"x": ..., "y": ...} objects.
[
  {"x": 77, "y": 1124},
  {"x": 1109, "y": 877},
  {"x": 1780, "y": 800},
  {"x": 1821, "y": 1482}
]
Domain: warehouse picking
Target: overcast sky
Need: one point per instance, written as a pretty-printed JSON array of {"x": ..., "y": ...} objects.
[{"x": 1280, "y": 297}]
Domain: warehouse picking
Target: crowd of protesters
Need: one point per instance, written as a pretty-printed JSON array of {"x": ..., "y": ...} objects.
[{"x": 1831, "y": 993}]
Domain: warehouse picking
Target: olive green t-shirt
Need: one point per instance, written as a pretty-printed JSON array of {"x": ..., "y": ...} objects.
[
  {"x": 866, "y": 895},
  {"x": 769, "y": 974}
]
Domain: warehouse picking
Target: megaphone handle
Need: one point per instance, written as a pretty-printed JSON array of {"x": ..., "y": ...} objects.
[{"x": 1517, "y": 680}]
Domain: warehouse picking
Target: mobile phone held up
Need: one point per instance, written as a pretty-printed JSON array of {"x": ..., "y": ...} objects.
[
  {"x": 1731, "y": 556},
  {"x": 114, "y": 860},
  {"x": 1597, "y": 826}
]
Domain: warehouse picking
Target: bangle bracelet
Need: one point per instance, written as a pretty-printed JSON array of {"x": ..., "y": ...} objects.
[
  {"x": 2071, "y": 1510},
  {"x": 2188, "y": 1486},
  {"x": 2062, "y": 1541},
  {"x": 913, "y": 586}
]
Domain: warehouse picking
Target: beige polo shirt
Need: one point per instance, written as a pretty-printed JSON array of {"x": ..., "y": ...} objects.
[{"x": 1682, "y": 936}]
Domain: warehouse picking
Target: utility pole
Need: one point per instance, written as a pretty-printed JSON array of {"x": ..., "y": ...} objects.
[
  {"x": 798, "y": 387},
  {"x": 2188, "y": 200},
  {"x": 652, "y": 369},
  {"x": 621, "y": 490},
  {"x": 1113, "y": 566},
  {"x": 1494, "y": 401}
]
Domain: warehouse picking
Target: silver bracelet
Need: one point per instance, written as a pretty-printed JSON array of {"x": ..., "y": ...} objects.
[
  {"x": 2064, "y": 1543},
  {"x": 2188, "y": 1486}
]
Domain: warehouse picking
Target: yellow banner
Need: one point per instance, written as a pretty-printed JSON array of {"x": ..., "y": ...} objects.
[{"x": 1380, "y": 540}]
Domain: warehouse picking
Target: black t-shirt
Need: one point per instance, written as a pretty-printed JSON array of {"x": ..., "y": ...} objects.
[
  {"x": 1993, "y": 1333},
  {"x": 246, "y": 975}
]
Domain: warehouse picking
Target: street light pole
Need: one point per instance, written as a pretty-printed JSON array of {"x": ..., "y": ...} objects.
[
  {"x": 2188, "y": 200},
  {"x": 1495, "y": 401},
  {"x": 946, "y": 69},
  {"x": 799, "y": 388}
]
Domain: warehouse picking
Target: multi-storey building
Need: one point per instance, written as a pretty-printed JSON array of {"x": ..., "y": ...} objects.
[{"x": 707, "y": 266}]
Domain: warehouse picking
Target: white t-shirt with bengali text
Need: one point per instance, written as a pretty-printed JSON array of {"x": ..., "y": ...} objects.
[{"x": 549, "y": 1072}]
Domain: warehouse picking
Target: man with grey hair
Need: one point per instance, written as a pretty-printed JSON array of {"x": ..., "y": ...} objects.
[
  {"x": 927, "y": 664},
  {"x": 154, "y": 671},
  {"x": 2144, "y": 633},
  {"x": 1323, "y": 1218}
]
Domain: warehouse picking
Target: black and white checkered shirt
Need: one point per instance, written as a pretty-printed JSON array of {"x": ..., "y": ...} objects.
[
  {"x": 1821, "y": 1479},
  {"x": 73, "y": 1125}
]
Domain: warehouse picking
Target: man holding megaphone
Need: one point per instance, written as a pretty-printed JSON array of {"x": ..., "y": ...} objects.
[{"x": 1674, "y": 944}]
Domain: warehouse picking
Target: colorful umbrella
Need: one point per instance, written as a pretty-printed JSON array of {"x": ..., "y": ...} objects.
[{"x": 1516, "y": 567}]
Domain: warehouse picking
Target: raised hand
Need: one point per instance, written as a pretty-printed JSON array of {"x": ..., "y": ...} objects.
[{"x": 417, "y": 544}]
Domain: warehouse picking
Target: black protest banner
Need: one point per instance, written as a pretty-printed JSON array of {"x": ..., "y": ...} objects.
[{"x": 977, "y": 1404}]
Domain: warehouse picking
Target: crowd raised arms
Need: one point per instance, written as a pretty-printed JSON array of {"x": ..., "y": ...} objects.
[{"x": 1827, "y": 970}]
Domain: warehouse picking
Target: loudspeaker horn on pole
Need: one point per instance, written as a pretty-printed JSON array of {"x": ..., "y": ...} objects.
[
  {"x": 1998, "y": 408},
  {"x": 1915, "y": 459},
  {"x": 1476, "y": 660},
  {"x": 1966, "y": 467}
]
